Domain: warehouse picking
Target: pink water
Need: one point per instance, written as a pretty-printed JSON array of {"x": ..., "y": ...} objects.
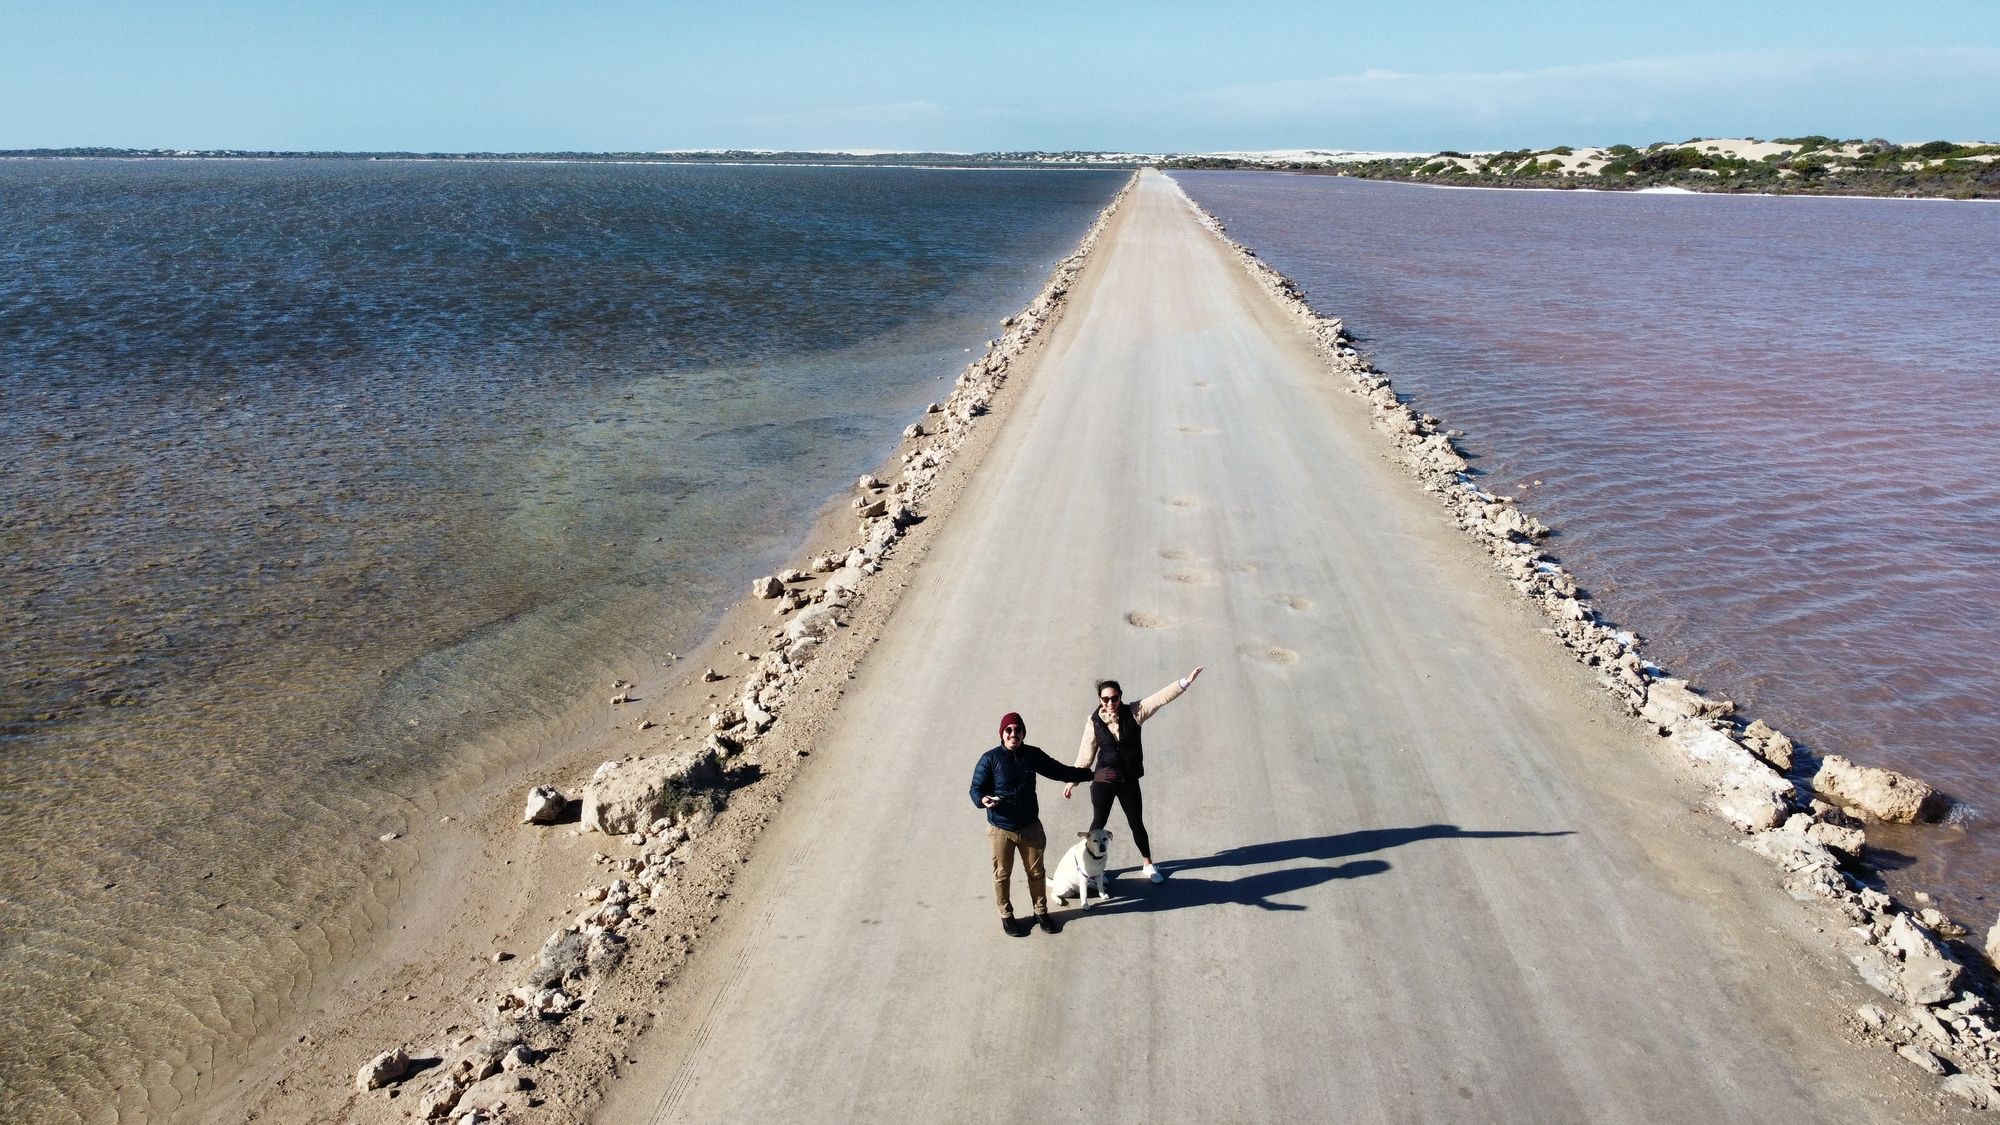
[{"x": 1763, "y": 427}]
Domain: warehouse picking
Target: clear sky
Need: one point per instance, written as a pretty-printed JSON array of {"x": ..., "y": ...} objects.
[{"x": 449, "y": 75}]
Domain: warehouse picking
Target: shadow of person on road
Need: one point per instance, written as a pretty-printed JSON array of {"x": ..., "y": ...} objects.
[
  {"x": 1183, "y": 890},
  {"x": 1338, "y": 846},
  {"x": 1255, "y": 890}
]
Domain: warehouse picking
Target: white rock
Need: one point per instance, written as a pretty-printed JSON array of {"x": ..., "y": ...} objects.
[
  {"x": 1978, "y": 1091},
  {"x": 492, "y": 1095},
  {"x": 1668, "y": 701},
  {"x": 817, "y": 621},
  {"x": 1993, "y": 944},
  {"x": 767, "y": 587},
  {"x": 1748, "y": 793},
  {"x": 1927, "y": 975},
  {"x": 868, "y": 482},
  {"x": 847, "y": 578},
  {"x": 546, "y": 805},
  {"x": 1921, "y": 1057},
  {"x": 389, "y": 1067}
]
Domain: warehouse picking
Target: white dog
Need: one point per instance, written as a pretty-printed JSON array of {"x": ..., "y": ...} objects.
[{"x": 1082, "y": 868}]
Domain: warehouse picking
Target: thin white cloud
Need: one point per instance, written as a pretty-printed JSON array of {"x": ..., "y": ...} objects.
[{"x": 1706, "y": 91}]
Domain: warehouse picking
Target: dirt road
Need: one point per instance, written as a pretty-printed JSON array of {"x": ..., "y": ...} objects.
[{"x": 1421, "y": 870}]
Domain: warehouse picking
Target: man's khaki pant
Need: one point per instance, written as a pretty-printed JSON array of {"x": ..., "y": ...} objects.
[{"x": 1031, "y": 843}]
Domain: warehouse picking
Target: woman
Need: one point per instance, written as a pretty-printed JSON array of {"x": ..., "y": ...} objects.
[{"x": 1114, "y": 752}]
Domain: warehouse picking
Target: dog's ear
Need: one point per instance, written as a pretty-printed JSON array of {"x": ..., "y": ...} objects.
[{"x": 1081, "y": 835}]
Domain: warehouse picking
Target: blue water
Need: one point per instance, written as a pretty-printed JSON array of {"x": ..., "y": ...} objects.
[{"x": 318, "y": 468}]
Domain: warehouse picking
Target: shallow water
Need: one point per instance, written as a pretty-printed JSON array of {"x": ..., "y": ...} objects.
[
  {"x": 1762, "y": 426},
  {"x": 321, "y": 471}
]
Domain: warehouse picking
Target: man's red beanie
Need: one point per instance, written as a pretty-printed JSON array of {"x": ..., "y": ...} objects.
[{"x": 1013, "y": 719}]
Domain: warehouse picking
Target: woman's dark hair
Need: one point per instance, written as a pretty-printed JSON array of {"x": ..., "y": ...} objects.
[{"x": 1113, "y": 685}]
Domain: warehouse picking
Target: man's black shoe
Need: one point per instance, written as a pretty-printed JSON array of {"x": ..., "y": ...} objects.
[
  {"x": 1049, "y": 925},
  {"x": 1010, "y": 927}
]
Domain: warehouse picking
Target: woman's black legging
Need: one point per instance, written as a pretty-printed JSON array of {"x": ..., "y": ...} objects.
[{"x": 1128, "y": 796}]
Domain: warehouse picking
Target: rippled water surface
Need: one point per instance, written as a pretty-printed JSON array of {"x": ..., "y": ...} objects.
[
  {"x": 1764, "y": 428},
  {"x": 315, "y": 470}
]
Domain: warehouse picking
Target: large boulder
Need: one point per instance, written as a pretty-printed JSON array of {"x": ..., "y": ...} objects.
[
  {"x": 625, "y": 797},
  {"x": 1882, "y": 794}
]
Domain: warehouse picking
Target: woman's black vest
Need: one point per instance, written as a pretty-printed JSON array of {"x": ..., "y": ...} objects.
[{"x": 1128, "y": 753}]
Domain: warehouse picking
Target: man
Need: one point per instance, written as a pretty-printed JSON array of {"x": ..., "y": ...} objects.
[{"x": 1003, "y": 783}]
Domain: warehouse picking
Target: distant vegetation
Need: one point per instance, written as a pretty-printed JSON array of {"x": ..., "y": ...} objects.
[
  {"x": 1812, "y": 165},
  {"x": 725, "y": 156}
]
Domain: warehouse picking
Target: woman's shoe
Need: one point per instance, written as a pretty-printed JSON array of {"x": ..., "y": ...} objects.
[{"x": 1153, "y": 873}]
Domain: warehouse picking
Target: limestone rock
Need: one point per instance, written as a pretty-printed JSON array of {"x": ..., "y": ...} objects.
[
  {"x": 767, "y": 587},
  {"x": 1927, "y": 975},
  {"x": 1750, "y": 808},
  {"x": 1921, "y": 1057},
  {"x": 384, "y": 1069},
  {"x": 546, "y": 805},
  {"x": 759, "y": 719},
  {"x": 1669, "y": 700},
  {"x": 847, "y": 578},
  {"x": 1882, "y": 794},
  {"x": 1811, "y": 871},
  {"x": 1979, "y": 1092},
  {"x": 439, "y": 1098},
  {"x": 815, "y": 622},
  {"x": 710, "y": 675},
  {"x": 492, "y": 1095},
  {"x": 875, "y": 508},
  {"x": 1993, "y": 944},
  {"x": 1767, "y": 743},
  {"x": 1841, "y": 838},
  {"x": 624, "y": 797},
  {"x": 868, "y": 482},
  {"x": 1747, "y": 793}
]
